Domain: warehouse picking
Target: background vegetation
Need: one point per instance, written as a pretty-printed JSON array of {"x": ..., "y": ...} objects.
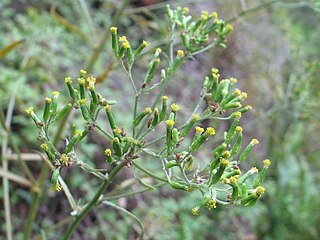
[{"x": 274, "y": 53}]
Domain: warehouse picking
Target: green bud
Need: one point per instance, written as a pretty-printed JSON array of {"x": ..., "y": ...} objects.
[
  {"x": 232, "y": 129},
  {"x": 82, "y": 88},
  {"x": 138, "y": 119},
  {"x": 115, "y": 43},
  {"x": 67, "y": 108},
  {"x": 171, "y": 164},
  {"x": 175, "y": 136},
  {"x": 180, "y": 186},
  {"x": 247, "y": 150},
  {"x": 84, "y": 109},
  {"x": 72, "y": 93},
  {"x": 138, "y": 51},
  {"x": 155, "y": 119},
  {"x": 215, "y": 176},
  {"x": 46, "y": 112},
  {"x": 151, "y": 70},
  {"x": 112, "y": 122},
  {"x": 117, "y": 147},
  {"x": 163, "y": 112}
]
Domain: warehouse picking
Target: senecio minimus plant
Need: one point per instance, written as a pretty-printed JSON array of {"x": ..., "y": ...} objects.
[{"x": 220, "y": 182}]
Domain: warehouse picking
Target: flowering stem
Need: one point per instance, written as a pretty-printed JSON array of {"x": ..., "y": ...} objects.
[{"x": 93, "y": 201}]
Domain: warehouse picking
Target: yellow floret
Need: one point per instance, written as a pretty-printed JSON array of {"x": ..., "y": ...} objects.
[
  {"x": 180, "y": 53},
  {"x": 123, "y": 39},
  {"x": 195, "y": 117},
  {"x": 55, "y": 94},
  {"x": 29, "y": 111},
  {"x": 175, "y": 107},
  {"x": 113, "y": 29},
  {"x": 68, "y": 80},
  {"x": 255, "y": 141},
  {"x": 170, "y": 123},
  {"x": 211, "y": 131},
  {"x": 148, "y": 110},
  {"x": 238, "y": 129},
  {"x": 199, "y": 130},
  {"x": 266, "y": 162},
  {"x": 107, "y": 152}
]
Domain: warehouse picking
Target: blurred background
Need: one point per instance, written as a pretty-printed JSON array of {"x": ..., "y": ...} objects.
[{"x": 273, "y": 51}]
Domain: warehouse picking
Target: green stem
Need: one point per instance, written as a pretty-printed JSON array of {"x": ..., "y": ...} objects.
[
  {"x": 93, "y": 202},
  {"x": 151, "y": 174},
  {"x": 133, "y": 193},
  {"x": 42, "y": 180},
  {"x": 128, "y": 213},
  {"x": 135, "y": 109}
]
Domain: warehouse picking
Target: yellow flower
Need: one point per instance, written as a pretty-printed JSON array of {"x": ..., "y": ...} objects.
[
  {"x": 175, "y": 107},
  {"x": 170, "y": 123},
  {"x": 108, "y": 152},
  {"x": 199, "y": 130},
  {"x": 211, "y": 131},
  {"x": 195, "y": 211},
  {"x": 266, "y": 163},
  {"x": 113, "y": 29},
  {"x": 29, "y": 111},
  {"x": 180, "y": 53}
]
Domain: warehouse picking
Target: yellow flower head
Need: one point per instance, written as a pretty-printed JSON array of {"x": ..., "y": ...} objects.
[
  {"x": 148, "y": 110},
  {"x": 55, "y": 187},
  {"x": 113, "y": 29},
  {"x": 233, "y": 180},
  {"x": 81, "y": 80},
  {"x": 82, "y": 101},
  {"x": 260, "y": 190},
  {"x": 195, "y": 117},
  {"x": 254, "y": 170},
  {"x": 224, "y": 162},
  {"x": 180, "y": 54},
  {"x": 145, "y": 43},
  {"x": 123, "y": 39},
  {"x": 212, "y": 203},
  {"x": 211, "y": 131},
  {"x": 126, "y": 45},
  {"x": 170, "y": 123},
  {"x": 255, "y": 141},
  {"x": 238, "y": 129},
  {"x": 226, "y": 154},
  {"x": 79, "y": 133},
  {"x": 29, "y": 111},
  {"x": 83, "y": 72},
  {"x": 55, "y": 94},
  {"x": 108, "y": 152},
  {"x": 237, "y": 92},
  {"x": 164, "y": 98},
  {"x": 195, "y": 211},
  {"x": 158, "y": 50},
  {"x": 244, "y": 95},
  {"x": 175, "y": 107},
  {"x": 107, "y": 107},
  {"x": 49, "y": 100},
  {"x": 266, "y": 163},
  {"x": 117, "y": 131},
  {"x": 214, "y": 70},
  {"x": 44, "y": 146},
  {"x": 229, "y": 27},
  {"x": 199, "y": 130},
  {"x": 214, "y": 15},
  {"x": 185, "y": 10},
  {"x": 64, "y": 159},
  {"x": 238, "y": 115},
  {"x": 68, "y": 80},
  {"x": 233, "y": 80}
]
